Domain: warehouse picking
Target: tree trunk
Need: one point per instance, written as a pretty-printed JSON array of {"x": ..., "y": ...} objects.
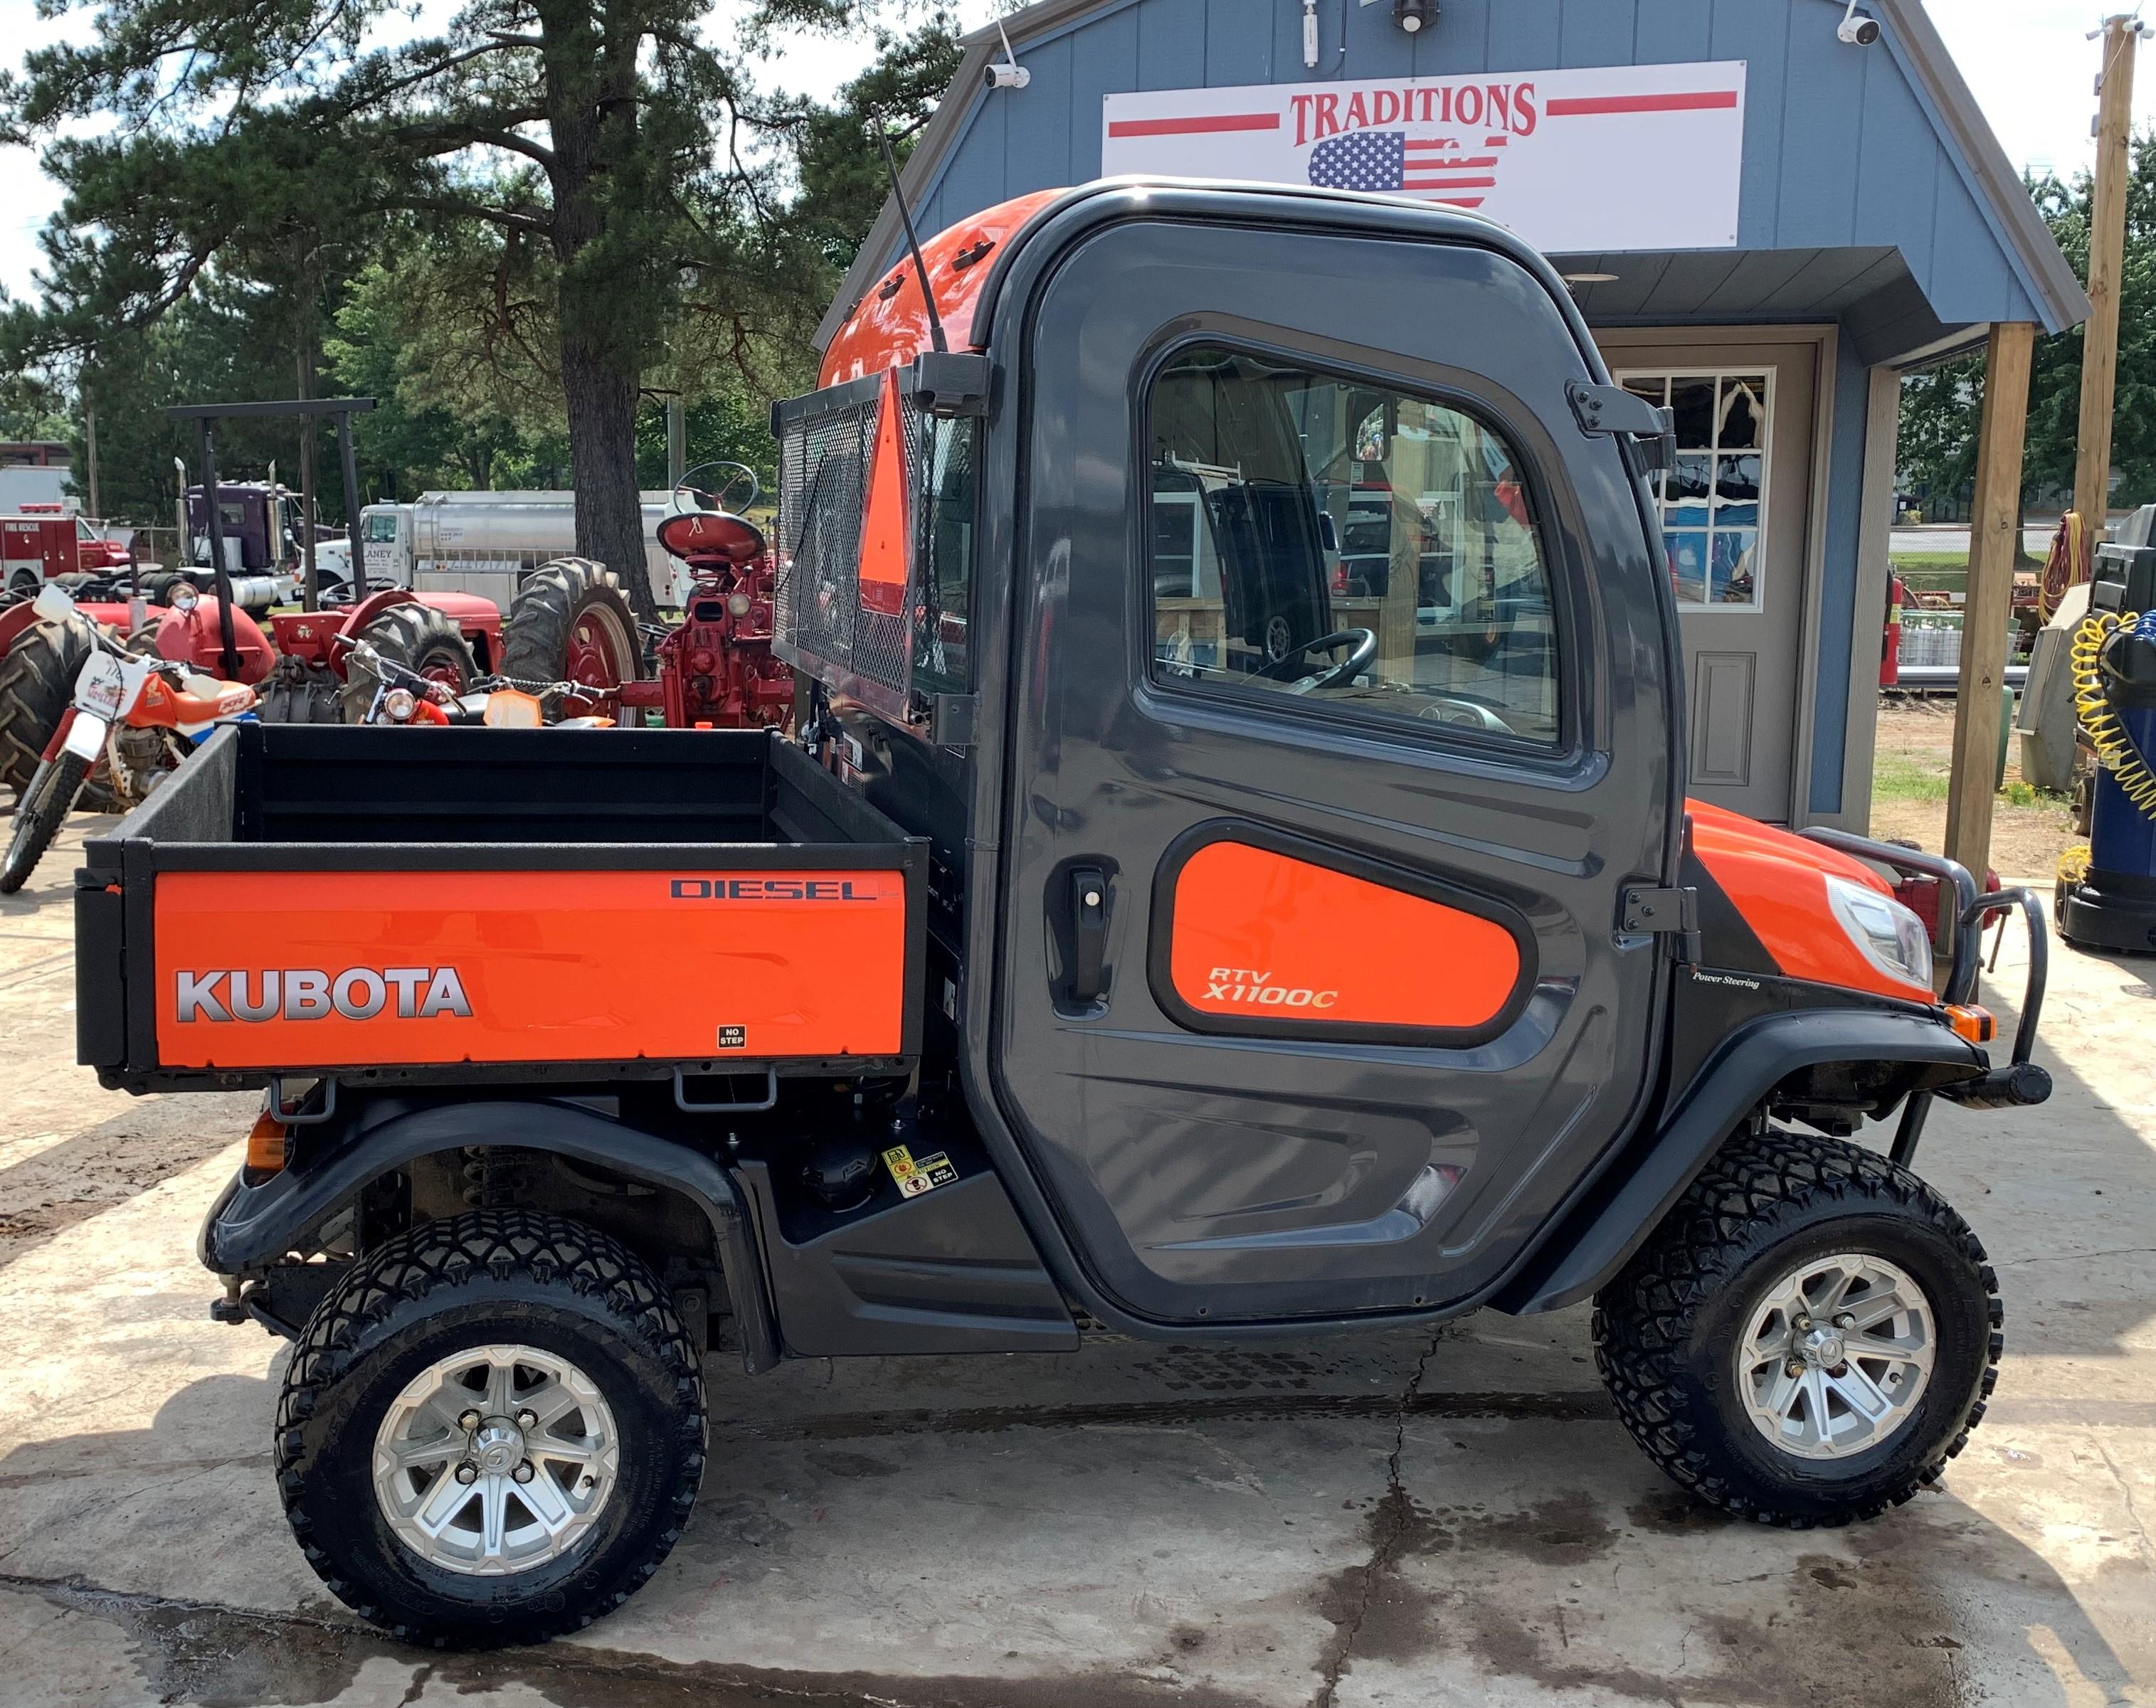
[
  {"x": 602, "y": 467},
  {"x": 590, "y": 72}
]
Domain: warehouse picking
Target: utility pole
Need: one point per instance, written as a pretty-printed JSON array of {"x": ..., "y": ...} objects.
[
  {"x": 2121, "y": 35},
  {"x": 677, "y": 441},
  {"x": 89, "y": 454}
]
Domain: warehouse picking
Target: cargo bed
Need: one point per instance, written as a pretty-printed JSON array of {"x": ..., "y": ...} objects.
[{"x": 459, "y": 905}]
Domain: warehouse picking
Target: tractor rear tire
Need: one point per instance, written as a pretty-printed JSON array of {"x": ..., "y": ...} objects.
[
  {"x": 570, "y": 616},
  {"x": 420, "y": 639},
  {"x": 37, "y": 682}
]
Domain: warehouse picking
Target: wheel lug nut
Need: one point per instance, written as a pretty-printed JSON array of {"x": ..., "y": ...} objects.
[
  {"x": 467, "y": 1473},
  {"x": 527, "y": 1418},
  {"x": 1844, "y": 1320},
  {"x": 524, "y": 1472},
  {"x": 1804, "y": 1325},
  {"x": 1795, "y": 1367},
  {"x": 468, "y": 1420}
]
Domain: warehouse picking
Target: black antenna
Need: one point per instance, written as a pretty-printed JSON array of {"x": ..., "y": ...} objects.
[{"x": 913, "y": 242}]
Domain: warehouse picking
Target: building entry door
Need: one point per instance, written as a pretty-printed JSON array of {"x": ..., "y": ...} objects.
[{"x": 1736, "y": 517}]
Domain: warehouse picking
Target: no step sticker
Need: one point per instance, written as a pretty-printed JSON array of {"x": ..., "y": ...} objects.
[{"x": 915, "y": 1177}]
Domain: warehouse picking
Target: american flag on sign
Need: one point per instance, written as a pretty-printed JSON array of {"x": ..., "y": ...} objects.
[{"x": 1387, "y": 161}]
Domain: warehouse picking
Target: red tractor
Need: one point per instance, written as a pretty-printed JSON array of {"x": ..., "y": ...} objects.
[
  {"x": 718, "y": 669},
  {"x": 292, "y": 659}
]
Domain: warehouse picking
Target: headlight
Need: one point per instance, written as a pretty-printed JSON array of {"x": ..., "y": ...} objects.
[
  {"x": 1890, "y": 937},
  {"x": 399, "y": 705}
]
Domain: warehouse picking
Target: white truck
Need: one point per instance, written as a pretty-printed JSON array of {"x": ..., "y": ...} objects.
[{"x": 487, "y": 542}]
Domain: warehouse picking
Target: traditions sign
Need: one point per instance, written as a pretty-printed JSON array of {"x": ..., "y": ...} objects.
[{"x": 1578, "y": 162}]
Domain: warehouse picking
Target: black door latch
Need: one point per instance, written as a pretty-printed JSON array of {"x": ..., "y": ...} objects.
[{"x": 1089, "y": 920}]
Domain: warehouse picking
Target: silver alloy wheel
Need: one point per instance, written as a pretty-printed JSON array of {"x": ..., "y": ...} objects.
[
  {"x": 1836, "y": 1355},
  {"x": 496, "y": 1459}
]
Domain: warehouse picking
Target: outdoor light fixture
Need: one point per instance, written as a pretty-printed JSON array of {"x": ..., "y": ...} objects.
[
  {"x": 1857, "y": 32},
  {"x": 1414, "y": 16}
]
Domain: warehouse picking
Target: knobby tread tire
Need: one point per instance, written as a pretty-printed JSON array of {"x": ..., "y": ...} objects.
[
  {"x": 416, "y": 636},
  {"x": 433, "y": 1262},
  {"x": 37, "y": 682},
  {"x": 38, "y": 817},
  {"x": 555, "y": 597},
  {"x": 1749, "y": 1190}
]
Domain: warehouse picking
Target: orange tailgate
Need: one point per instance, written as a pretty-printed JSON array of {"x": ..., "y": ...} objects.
[{"x": 336, "y": 969}]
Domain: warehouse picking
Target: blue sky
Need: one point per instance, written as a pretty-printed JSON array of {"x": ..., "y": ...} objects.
[{"x": 2025, "y": 59}]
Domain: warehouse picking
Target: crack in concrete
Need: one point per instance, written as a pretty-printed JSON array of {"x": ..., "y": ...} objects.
[
  {"x": 1389, "y": 1535},
  {"x": 2015, "y": 1262},
  {"x": 2126, "y": 1493}
]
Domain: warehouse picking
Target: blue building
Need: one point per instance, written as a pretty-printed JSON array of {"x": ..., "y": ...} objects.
[{"x": 1767, "y": 218}]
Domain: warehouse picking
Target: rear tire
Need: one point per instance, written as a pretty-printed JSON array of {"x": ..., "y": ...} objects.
[
  {"x": 541, "y": 1294},
  {"x": 39, "y": 816},
  {"x": 1679, "y": 1335},
  {"x": 37, "y": 683},
  {"x": 420, "y": 639},
  {"x": 571, "y": 622}
]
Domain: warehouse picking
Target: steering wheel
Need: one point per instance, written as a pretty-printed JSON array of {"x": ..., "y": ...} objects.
[
  {"x": 715, "y": 498},
  {"x": 1363, "y": 649}
]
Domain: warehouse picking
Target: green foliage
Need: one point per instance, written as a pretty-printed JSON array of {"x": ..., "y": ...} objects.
[
  {"x": 1940, "y": 409},
  {"x": 505, "y": 230}
]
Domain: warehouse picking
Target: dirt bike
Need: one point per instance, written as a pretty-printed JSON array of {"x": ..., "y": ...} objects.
[
  {"x": 141, "y": 714},
  {"x": 404, "y": 697}
]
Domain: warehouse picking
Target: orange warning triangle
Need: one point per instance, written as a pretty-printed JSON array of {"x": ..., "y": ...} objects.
[{"x": 884, "y": 531}]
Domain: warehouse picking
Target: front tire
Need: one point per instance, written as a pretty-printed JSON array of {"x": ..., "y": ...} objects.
[
  {"x": 38, "y": 815},
  {"x": 1809, "y": 1336},
  {"x": 433, "y": 1516},
  {"x": 37, "y": 683}
]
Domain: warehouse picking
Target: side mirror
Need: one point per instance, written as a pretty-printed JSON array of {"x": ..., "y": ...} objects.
[{"x": 53, "y": 605}]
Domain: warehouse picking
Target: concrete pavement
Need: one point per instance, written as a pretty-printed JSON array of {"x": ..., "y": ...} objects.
[{"x": 1412, "y": 1518}]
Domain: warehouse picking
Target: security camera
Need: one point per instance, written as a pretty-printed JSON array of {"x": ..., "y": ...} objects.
[
  {"x": 1857, "y": 32},
  {"x": 1007, "y": 73},
  {"x": 1414, "y": 16}
]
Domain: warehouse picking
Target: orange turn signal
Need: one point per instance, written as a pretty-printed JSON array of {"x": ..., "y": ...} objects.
[
  {"x": 1970, "y": 1022},
  {"x": 265, "y": 1144}
]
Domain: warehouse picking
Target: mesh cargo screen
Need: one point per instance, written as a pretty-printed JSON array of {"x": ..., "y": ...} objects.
[{"x": 824, "y": 624}]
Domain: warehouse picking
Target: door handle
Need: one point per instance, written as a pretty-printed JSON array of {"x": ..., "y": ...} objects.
[{"x": 1089, "y": 931}]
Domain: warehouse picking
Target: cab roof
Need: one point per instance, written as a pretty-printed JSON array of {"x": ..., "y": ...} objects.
[{"x": 889, "y": 326}]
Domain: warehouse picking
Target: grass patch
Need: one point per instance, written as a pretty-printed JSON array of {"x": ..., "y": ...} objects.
[
  {"x": 1921, "y": 561},
  {"x": 1898, "y": 777}
]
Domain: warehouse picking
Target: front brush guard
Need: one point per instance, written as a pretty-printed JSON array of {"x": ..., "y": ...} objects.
[{"x": 2020, "y": 1083}]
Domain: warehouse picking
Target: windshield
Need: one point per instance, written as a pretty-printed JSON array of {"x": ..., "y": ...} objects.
[{"x": 380, "y": 529}]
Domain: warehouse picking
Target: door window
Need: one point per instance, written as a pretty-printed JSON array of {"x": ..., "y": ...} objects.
[
  {"x": 1318, "y": 538},
  {"x": 1714, "y": 502}
]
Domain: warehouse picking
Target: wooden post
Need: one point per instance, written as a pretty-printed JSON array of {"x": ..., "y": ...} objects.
[
  {"x": 1993, "y": 544},
  {"x": 2106, "y": 258}
]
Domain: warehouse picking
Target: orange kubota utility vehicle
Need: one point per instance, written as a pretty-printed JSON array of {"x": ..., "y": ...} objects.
[{"x": 1145, "y": 929}]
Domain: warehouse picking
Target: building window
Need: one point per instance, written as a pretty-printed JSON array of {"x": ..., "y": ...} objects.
[
  {"x": 1714, "y": 502},
  {"x": 1321, "y": 540}
]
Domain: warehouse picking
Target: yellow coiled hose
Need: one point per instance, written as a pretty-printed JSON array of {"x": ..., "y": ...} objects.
[{"x": 2114, "y": 745}]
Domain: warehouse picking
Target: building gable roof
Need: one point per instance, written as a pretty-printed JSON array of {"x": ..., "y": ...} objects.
[{"x": 2042, "y": 285}]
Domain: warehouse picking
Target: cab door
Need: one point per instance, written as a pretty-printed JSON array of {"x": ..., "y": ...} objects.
[{"x": 1340, "y": 705}]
